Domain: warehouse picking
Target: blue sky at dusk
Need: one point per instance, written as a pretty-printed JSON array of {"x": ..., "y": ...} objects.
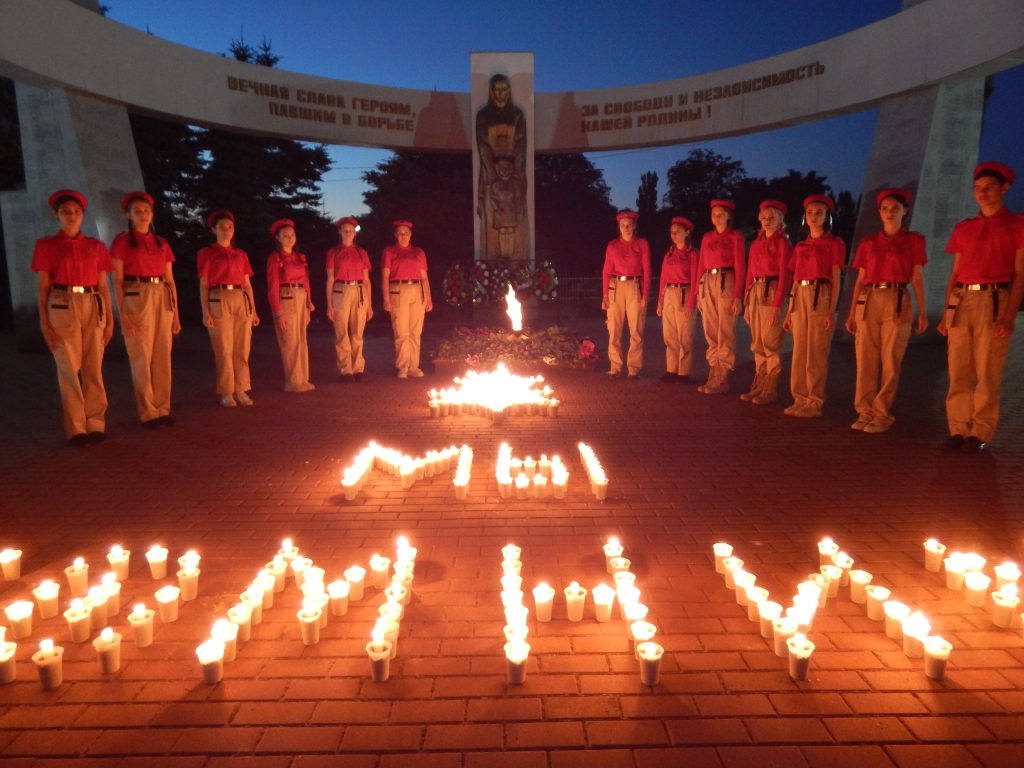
[{"x": 576, "y": 46}]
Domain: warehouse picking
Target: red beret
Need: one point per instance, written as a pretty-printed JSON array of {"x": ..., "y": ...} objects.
[
  {"x": 131, "y": 197},
  {"x": 777, "y": 204},
  {"x": 213, "y": 218},
  {"x": 63, "y": 194},
  {"x": 683, "y": 221},
  {"x": 280, "y": 224},
  {"x": 631, "y": 215},
  {"x": 401, "y": 223},
  {"x": 1003, "y": 170},
  {"x": 900, "y": 194},
  {"x": 729, "y": 205},
  {"x": 347, "y": 220},
  {"x": 820, "y": 200}
]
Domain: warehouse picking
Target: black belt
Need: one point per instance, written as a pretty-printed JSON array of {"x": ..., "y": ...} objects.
[
  {"x": 765, "y": 278},
  {"x": 406, "y": 282},
  {"x": 815, "y": 281},
  {"x": 143, "y": 279},
  {"x": 226, "y": 287},
  {"x": 984, "y": 286},
  {"x": 677, "y": 285},
  {"x": 352, "y": 282},
  {"x": 890, "y": 284},
  {"x": 625, "y": 277},
  {"x": 292, "y": 285},
  {"x": 719, "y": 270},
  {"x": 74, "y": 288}
]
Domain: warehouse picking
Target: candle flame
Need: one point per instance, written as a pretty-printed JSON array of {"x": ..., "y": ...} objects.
[
  {"x": 79, "y": 563},
  {"x": 107, "y": 635},
  {"x": 139, "y": 611},
  {"x": 78, "y": 604},
  {"x": 116, "y": 551},
  {"x": 514, "y": 309},
  {"x": 286, "y": 545},
  {"x": 1009, "y": 591},
  {"x": 108, "y": 578},
  {"x": 46, "y": 646}
]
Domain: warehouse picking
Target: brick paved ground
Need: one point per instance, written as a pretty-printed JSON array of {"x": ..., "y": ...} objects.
[{"x": 686, "y": 470}]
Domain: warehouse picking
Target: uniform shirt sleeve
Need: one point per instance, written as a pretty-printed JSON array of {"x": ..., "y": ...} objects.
[
  {"x": 862, "y": 256},
  {"x": 386, "y": 259},
  {"x": 202, "y": 262},
  {"x": 691, "y": 295},
  {"x": 365, "y": 257},
  {"x": 663, "y": 277},
  {"x": 168, "y": 253},
  {"x": 421, "y": 259},
  {"x": 274, "y": 283},
  {"x": 41, "y": 256},
  {"x": 645, "y": 264},
  {"x": 953, "y": 245},
  {"x": 606, "y": 270},
  {"x": 738, "y": 261},
  {"x": 920, "y": 253},
  {"x": 103, "y": 261},
  {"x": 119, "y": 248},
  {"x": 245, "y": 262}
]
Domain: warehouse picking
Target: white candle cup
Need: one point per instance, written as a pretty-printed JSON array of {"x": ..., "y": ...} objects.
[
  {"x": 543, "y": 600},
  {"x": 252, "y": 598},
  {"x": 624, "y": 579},
  {"x": 268, "y": 583},
  {"x": 823, "y": 582},
  {"x": 10, "y": 564},
  {"x": 650, "y": 662},
  {"x": 635, "y": 612},
  {"x": 96, "y": 599},
  {"x": 895, "y": 612},
  {"x": 844, "y": 563},
  {"x": 211, "y": 660},
  {"x": 641, "y": 632},
  {"x": 516, "y": 655},
  {"x": 721, "y": 551},
  {"x": 278, "y": 568},
  {"x": 974, "y": 562},
  {"x": 559, "y": 485},
  {"x": 515, "y": 632},
  {"x": 338, "y": 592},
  {"x": 119, "y": 560},
  {"x": 914, "y": 634},
  {"x": 47, "y": 595},
  {"x": 976, "y": 586},
  {"x": 731, "y": 565},
  {"x": 512, "y": 567},
  {"x": 167, "y": 603},
  {"x": 49, "y": 661},
  {"x": 112, "y": 589},
  {"x": 188, "y": 585},
  {"x": 78, "y": 577},
  {"x": 511, "y": 597},
  {"x": 799, "y": 649},
  {"x": 826, "y": 549},
  {"x": 298, "y": 567},
  {"x": 379, "y": 654},
  {"x": 108, "y": 648},
  {"x": 511, "y": 582},
  {"x": 391, "y": 634},
  {"x": 876, "y": 597},
  {"x": 8, "y": 663},
  {"x": 156, "y": 556},
  {"x": 19, "y": 618},
  {"x": 768, "y": 611},
  {"x": 743, "y": 580},
  {"x": 626, "y": 596},
  {"x": 1006, "y": 573},
  {"x": 288, "y": 551},
  {"x": 141, "y": 623},
  {"x": 934, "y": 551},
  {"x": 517, "y": 614},
  {"x": 834, "y": 574},
  {"x": 505, "y": 486},
  {"x": 859, "y": 581},
  {"x": 77, "y": 617},
  {"x": 612, "y": 549},
  {"x": 540, "y": 486},
  {"x": 380, "y": 568},
  {"x": 575, "y": 596},
  {"x": 1005, "y": 603},
  {"x": 544, "y": 466},
  {"x": 956, "y": 567},
  {"x": 226, "y": 631},
  {"x": 241, "y": 616},
  {"x": 391, "y": 611},
  {"x": 618, "y": 564},
  {"x": 601, "y": 488},
  {"x": 189, "y": 561},
  {"x": 355, "y": 577},
  {"x": 309, "y": 623},
  {"x": 783, "y": 628},
  {"x": 522, "y": 486},
  {"x": 604, "y": 599},
  {"x": 936, "y": 656},
  {"x": 755, "y": 596},
  {"x": 396, "y": 593},
  {"x": 803, "y": 615},
  {"x": 529, "y": 467}
]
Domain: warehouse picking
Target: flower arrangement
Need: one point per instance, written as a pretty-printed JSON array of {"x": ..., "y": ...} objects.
[
  {"x": 485, "y": 282},
  {"x": 457, "y": 286},
  {"x": 486, "y": 346}
]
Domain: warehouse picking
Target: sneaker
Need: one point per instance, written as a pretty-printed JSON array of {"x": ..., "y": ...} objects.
[
  {"x": 807, "y": 412},
  {"x": 973, "y": 444},
  {"x": 954, "y": 442},
  {"x": 668, "y": 377},
  {"x": 611, "y": 373},
  {"x": 306, "y": 387},
  {"x": 403, "y": 375},
  {"x": 243, "y": 398},
  {"x": 791, "y": 410},
  {"x": 860, "y": 423},
  {"x": 228, "y": 401},
  {"x": 415, "y": 373},
  {"x": 876, "y": 427},
  {"x": 633, "y": 376}
]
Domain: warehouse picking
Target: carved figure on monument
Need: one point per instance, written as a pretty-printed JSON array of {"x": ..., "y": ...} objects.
[{"x": 501, "y": 203}]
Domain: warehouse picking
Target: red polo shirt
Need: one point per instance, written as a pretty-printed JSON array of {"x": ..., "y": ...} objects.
[
  {"x": 78, "y": 260},
  {"x": 149, "y": 256},
  {"x": 404, "y": 263},
  {"x": 348, "y": 262},
  {"x": 632, "y": 259},
  {"x": 987, "y": 246},
  {"x": 769, "y": 257},
  {"x": 890, "y": 258},
  {"x": 679, "y": 266},
  {"x": 285, "y": 268},
  {"x": 814, "y": 257},
  {"x": 223, "y": 265},
  {"x": 723, "y": 250}
]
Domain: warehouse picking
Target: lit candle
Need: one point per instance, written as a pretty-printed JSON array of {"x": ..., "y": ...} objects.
[
  {"x": 823, "y": 582},
  {"x": 624, "y": 579},
  {"x": 517, "y": 632},
  {"x": 755, "y": 596},
  {"x": 802, "y": 612},
  {"x": 355, "y": 576},
  {"x": 559, "y": 483},
  {"x": 895, "y": 613},
  {"x": 530, "y": 467},
  {"x": 543, "y": 599},
  {"x": 641, "y": 632},
  {"x": 650, "y": 655},
  {"x": 49, "y": 664},
  {"x": 826, "y": 549},
  {"x": 768, "y": 611},
  {"x": 604, "y": 598},
  {"x": 380, "y": 567},
  {"x": 309, "y": 621},
  {"x": 915, "y": 628},
  {"x": 188, "y": 582},
  {"x": 635, "y": 612},
  {"x": 10, "y": 564},
  {"x": 119, "y": 558},
  {"x": 510, "y": 597},
  {"x": 976, "y": 584},
  {"x": 512, "y": 567},
  {"x": 511, "y": 581},
  {"x": 252, "y": 598},
  {"x": 612, "y": 549},
  {"x": 167, "y": 603},
  {"x": 974, "y": 562},
  {"x": 575, "y": 595},
  {"x": 379, "y": 652},
  {"x": 390, "y": 633},
  {"x": 241, "y": 616},
  {"x": 1006, "y": 573},
  {"x": 77, "y": 617},
  {"x": 46, "y": 596},
  {"x": 544, "y": 465},
  {"x": 391, "y": 611},
  {"x": 783, "y": 628},
  {"x": 141, "y": 622},
  {"x": 517, "y": 652},
  {"x": 78, "y": 577},
  {"x": 934, "y": 551},
  {"x": 522, "y": 483},
  {"x": 956, "y": 567},
  {"x": 540, "y": 485},
  {"x": 19, "y": 616},
  {"x": 877, "y": 595},
  {"x": 799, "y": 649},
  {"x": 211, "y": 658},
  {"x": 721, "y": 551},
  {"x": 96, "y": 599},
  {"x": 505, "y": 486},
  {"x": 226, "y": 632},
  {"x": 278, "y": 568},
  {"x": 156, "y": 556},
  {"x": 844, "y": 562},
  {"x": 338, "y": 592},
  {"x": 742, "y": 581},
  {"x": 288, "y": 551},
  {"x": 859, "y": 581},
  {"x": 268, "y": 583},
  {"x": 112, "y": 588},
  {"x": 1004, "y": 604},
  {"x": 834, "y": 574},
  {"x": 511, "y": 552},
  {"x": 8, "y": 662},
  {"x": 396, "y": 593},
  {"x": 298, "y": 567},
  {"x": 108, "y": 648},
  {"x": 936, "y": 656},
  {"x": 627, "y": 595},
  {"x": 516, "y": 615}
]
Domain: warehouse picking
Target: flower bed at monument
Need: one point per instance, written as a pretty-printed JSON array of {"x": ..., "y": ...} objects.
[{"x": 484, "y": 347}]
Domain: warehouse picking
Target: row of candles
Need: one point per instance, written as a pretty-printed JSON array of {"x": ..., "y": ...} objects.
[
  {"x": 493, "y": 394},
  {"x": 964, "y": 571},
  {"x": 407, "y": 468},
  {"x": 529, "y": 477},
  {"x": 383, "y": 645},
  {"x": 595, "y": 472}
]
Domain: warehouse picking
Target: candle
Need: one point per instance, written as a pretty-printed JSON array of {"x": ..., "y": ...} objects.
[
  {"x": 895, "y": 613},
  {"x": 540, "y": 485},
  {"x": 936, "y": 656},
  {"x": 604, "y": 597},
  {"x": 511, "y": 567},
  {"x": 822, "y": 581},
  {"x": 755, "y": 596},
  {"x": 802, "y": 612},
  {"x": 1004, "y": 603},
  {"x": 844, "y": 562},
  {"x": 211, "y": 658},
  {"x": 77, "y": 617},
  {"x": 800, "y": 650},
  {"x": 641, "y": 632},
  {"x": 112, "y": 588},
  {"x": 731, "y": 565},
  {"x": 119, "y": 558},
  {"x": 529, "y": 467},
  {"x": 338, "y": 591},
  {"x": 516, "y": 615},
  {"x": 10, "y": 564},
  {"x": 612, "y": 549},
  {"x": 956, "y": 567},
  {"x": 156, "y": 556},
  {"x": 511, "y": 552},
  {"x": 510, "y": 597},
  {"x": 298, "y": 567},
  {"x": 626, "y": 595},
  {"x": 309, "y": 621},
  {"x": 268, "y": 583},
  {"x": 877, "y": 596},
  {"x": 915, "y": 628},
  {"x": 241, "y": 616},
  {"x": 783, "y": 628},
  {"x": 742, "y": 580},
  {"x": 46, "y": 595},
  {"x": 226, "y": 632},
  {"x": 522, "y": 484},
  {"x": 976, "y": 585},
  {"x": 516, "y": 654},
  {"x": 635, "y": 612},
  {"x": 188, "y": 584},
  {"x": 189, "y": 561},
  {"x": 288, "y": 551},
  {"x": 141, "y": 622},
  {"x": 826, "y": 549},
  {"x": 379, "y": 569},
  {"x": 8, "y": 662},
  {"x": 511, "y": 582},
  {"x": 767, "y": 612},
  {"x": 834, "y": 574},
  {"x": 934, "y": 551},
  {"x": 19, "y": 616},
  {"x": 515, "y": 632},
  {"x": 167, "y": 603},
  {"x": 1006, "y": 573},
  {"x": 624, "y": 579},
  {"x": 575, "y": 595},
  {"x": 355, "y": 576},
  {"x": 78, "y": 577},
  {"x": 544, "y": 465},
  {"x": 600, "y": 485},
  {"x": 618, "y": 564},
  {"x": 721, "y": 551},
  {"x": 278, "y": 568},
  {"x": 379, "y": 652},
  {"x": 252, "y": 598},
  {"x": 650, "y": 655},
  {"x": 96, "y": 599},
  {"x": 391, "y": 611},
  {"x": 390, "y": 633},
  {"x": 859, "y": 581},
  {"x": 505, "y": 486},
  {"x": 396, "y": 593},
  {"x": 543, "y": 599},
  {"x": 108, "y": 648},
  {"x": 49, "y": 664},
  {"x": 559, "y": 483},
  {"x": 974, "y": 562}
]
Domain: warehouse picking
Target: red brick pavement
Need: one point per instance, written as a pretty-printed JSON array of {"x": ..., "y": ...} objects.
[{"x": 686, "y": 470}]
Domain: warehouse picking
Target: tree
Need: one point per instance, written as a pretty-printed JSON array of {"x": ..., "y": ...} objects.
[
  {"x": 698, "y": 178},
  {"x": 647, "y": 198}
]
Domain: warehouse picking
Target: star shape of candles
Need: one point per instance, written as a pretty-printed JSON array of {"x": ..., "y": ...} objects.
[
  {"x": 494, "y": 394},
  {"x": 407, "y": 468},
  {"x": 529, "y": 477}
]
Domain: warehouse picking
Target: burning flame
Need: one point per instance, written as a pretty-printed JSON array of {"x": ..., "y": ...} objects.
[{"x": 514, "y": 309}]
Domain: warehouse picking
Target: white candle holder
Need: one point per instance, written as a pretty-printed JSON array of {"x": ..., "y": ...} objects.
[
  {"x": 575, "y": 596},
  {"x": 309, "y": 623},
  {"x": 650, "y": 655},
  {"x": 226, "y": 631},
  {"x": 934, "y": 551},
  {"x": 338, "y": 592},
  {"x": 47, "y": 596},
  {"x": 936, "y": 656},
  {"x": 1006, "y": 573},
  {"x": 799, "y": 650},
  {"x": 119, "y": 559},
  {"x": 49, "y": 661},
  {"x": 211, "y": 660},
  {"x": 1005, "y": 603},
  {"x": 96, "y": 599},
  {"x": 976, "y": 586},
  {"x": 743, "y": 580},
  {"x": 895, "y": 613},
  {"x": 10, "y": 564},
  {"x": 355, "y": 577},
  {"x": 768, "y": 611},
  {"x": 517, "y": 653},
  {"x": 956, "y": 567},
  {"x": 915, "y": 629},
  {"x": 721, "y": 551},
  {"x": 156, "y": 556},
  {"x": 826, "y": 549},
  {"x": 141, "y": 622},
  {"x": 77, "y": 575},
  {"x": 108, "y": 649},
  {"x": 167, "y": 599},
  {"x": 612, "y": 549},
  {"x": 876, "y": 597},
  {"x": 834, "y": 574},
  {"x": 77, "y": 617},
  {"x": 543, "y": 600},
  {"x": 188, "y": 584},
  {"x": 859, "y": 581},
  {"x": 241, "y": 616},
  {"x": 278, "y": 568},
  {"x": 8, "y": 662},
  {"x": 19, "y": 618},
  {"x": 379, "y": 653},
  {"x": 755, "y": 596},
  {"x": 731, "y": 566},
  {"x": 783, "y": 628},
  {"x": 604, "y": 599}
]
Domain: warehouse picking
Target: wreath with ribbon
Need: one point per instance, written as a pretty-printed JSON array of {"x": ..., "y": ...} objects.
[
  {"x": 457, "y": 286},
  {"x": 546, "y": 282},
  {"x": 501, "y": 276},
  {"x": 523, "y": 281}
]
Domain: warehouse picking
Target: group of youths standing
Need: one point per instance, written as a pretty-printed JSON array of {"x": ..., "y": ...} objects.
[
  {"x": 77, "y": 320},
  {"x": 983, "y": 294}
]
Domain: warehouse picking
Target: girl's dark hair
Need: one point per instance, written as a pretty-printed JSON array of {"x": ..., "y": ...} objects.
[{"x": 134, "y": 240}]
